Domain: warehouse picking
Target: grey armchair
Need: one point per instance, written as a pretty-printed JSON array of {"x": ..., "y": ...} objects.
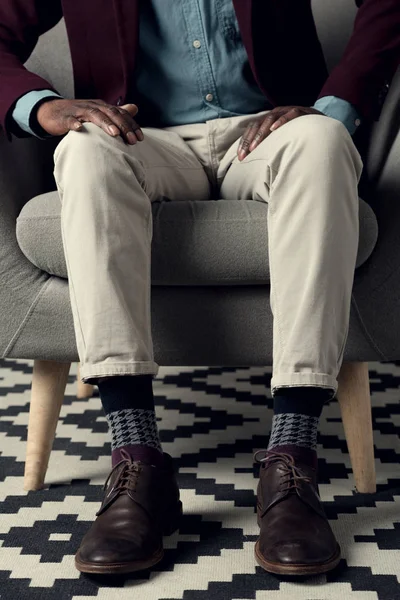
[{"x": 210, "y": 274}]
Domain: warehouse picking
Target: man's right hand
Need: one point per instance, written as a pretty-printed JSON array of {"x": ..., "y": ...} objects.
[{"x": 59, "y": 116}]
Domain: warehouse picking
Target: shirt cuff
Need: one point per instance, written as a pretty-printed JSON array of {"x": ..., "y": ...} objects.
[
  {"x": 23, "y": 113},
  {"x": 339, "y": 109}
]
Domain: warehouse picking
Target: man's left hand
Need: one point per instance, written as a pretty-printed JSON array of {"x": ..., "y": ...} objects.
[{"x": 260, "y": 129}]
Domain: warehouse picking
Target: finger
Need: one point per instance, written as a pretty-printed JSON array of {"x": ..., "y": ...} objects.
[
  {"x": 289, "y": 116},
  {"x": 132, "y": 109},
  {"x": 126, "y": 124},
  {"x": 136, "y": 128},
  {"x": 265, "y": 128},
  {"x": 112, "y": 119},
  {"x": 73, "y": 124},
  {"x": 128, "y": 127},
  {"x": 247, "y": 138},
  {"x": 94, "y": 114}
]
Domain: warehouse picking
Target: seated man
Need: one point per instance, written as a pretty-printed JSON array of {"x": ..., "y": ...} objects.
[{"x": 234, "y": 102}]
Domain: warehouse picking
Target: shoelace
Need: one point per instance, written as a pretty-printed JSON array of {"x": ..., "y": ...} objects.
[
  {"x": 291, "y": 474},
  {"x": 128, "y": 476}
]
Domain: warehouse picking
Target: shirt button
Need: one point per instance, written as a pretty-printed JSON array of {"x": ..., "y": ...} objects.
[
  {"x": 209, "y": 97},
  {"x": 197, "y": 43},
  {"x": 357, "y": 122}
]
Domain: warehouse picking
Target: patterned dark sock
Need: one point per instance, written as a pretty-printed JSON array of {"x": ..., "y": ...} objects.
[
  {"x": 295, "y": 423},
  {"x": 128, "y": 403}
]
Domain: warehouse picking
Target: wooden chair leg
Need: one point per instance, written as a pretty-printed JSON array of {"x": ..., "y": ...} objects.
[
  {"x": 84, "y": 390},
  {"x": 355, "y": 404},
  {"x": 48, "y": 389}
]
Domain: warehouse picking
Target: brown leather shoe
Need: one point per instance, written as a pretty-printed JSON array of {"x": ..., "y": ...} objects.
[
  {"x": 141, "y": 504},
  {"x": 295, "y": 536}
]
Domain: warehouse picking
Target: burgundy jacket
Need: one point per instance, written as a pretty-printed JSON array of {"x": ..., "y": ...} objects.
[{"x": 279, "y": 36}]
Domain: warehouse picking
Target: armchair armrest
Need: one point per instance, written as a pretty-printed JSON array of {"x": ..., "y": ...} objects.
[{"x": 26, "y": 169}]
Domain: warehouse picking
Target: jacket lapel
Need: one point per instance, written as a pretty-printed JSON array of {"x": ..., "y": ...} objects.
[
  {"x": 244, "y": 12},
  {"x": 103, "y": 37}
]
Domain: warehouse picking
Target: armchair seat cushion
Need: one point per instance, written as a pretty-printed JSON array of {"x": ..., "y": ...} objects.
[{"x": 216, "y": 242}]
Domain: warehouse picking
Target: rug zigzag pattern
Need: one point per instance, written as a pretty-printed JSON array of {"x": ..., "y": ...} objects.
[{"x": 211, "y": 420}]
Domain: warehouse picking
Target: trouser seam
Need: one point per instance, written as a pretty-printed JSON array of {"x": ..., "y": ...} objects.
[
  {"x": 71, "y": 284},
  {"x": 272, "y": 277},
  {"x": 343, "y": 346}
]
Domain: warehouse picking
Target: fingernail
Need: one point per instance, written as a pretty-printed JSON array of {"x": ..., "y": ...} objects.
[
  {"x": 112, "y": 130},
  {"x": 252, "y": 145},
  {"x": 241, "y": 154},
  {"x": 139, "y": 134},
  {"x": 131, "y": 137},
  {"x": 273, "y": 126}
]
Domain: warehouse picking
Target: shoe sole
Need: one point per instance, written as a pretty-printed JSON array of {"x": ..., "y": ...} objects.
[
  {"x": 118, "y": 568},
  {"x": 130, "y": 567},
  {"x": 299, "y": 569}
]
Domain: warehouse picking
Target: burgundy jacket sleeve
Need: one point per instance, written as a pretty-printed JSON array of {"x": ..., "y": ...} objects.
[
  {"x": 21, "y": 24},
  {"x": 371, "y": 57}
]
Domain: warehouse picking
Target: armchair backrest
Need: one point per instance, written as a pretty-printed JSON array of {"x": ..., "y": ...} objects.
[
  {"x": 334, "y": 21},
  {"x": 51, "y": 59}
]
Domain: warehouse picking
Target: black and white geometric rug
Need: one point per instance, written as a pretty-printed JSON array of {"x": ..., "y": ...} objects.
[{"x": 211, "y": 421}]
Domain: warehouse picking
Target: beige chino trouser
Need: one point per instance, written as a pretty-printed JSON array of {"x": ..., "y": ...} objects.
[{"x": 307, "y": 171}]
